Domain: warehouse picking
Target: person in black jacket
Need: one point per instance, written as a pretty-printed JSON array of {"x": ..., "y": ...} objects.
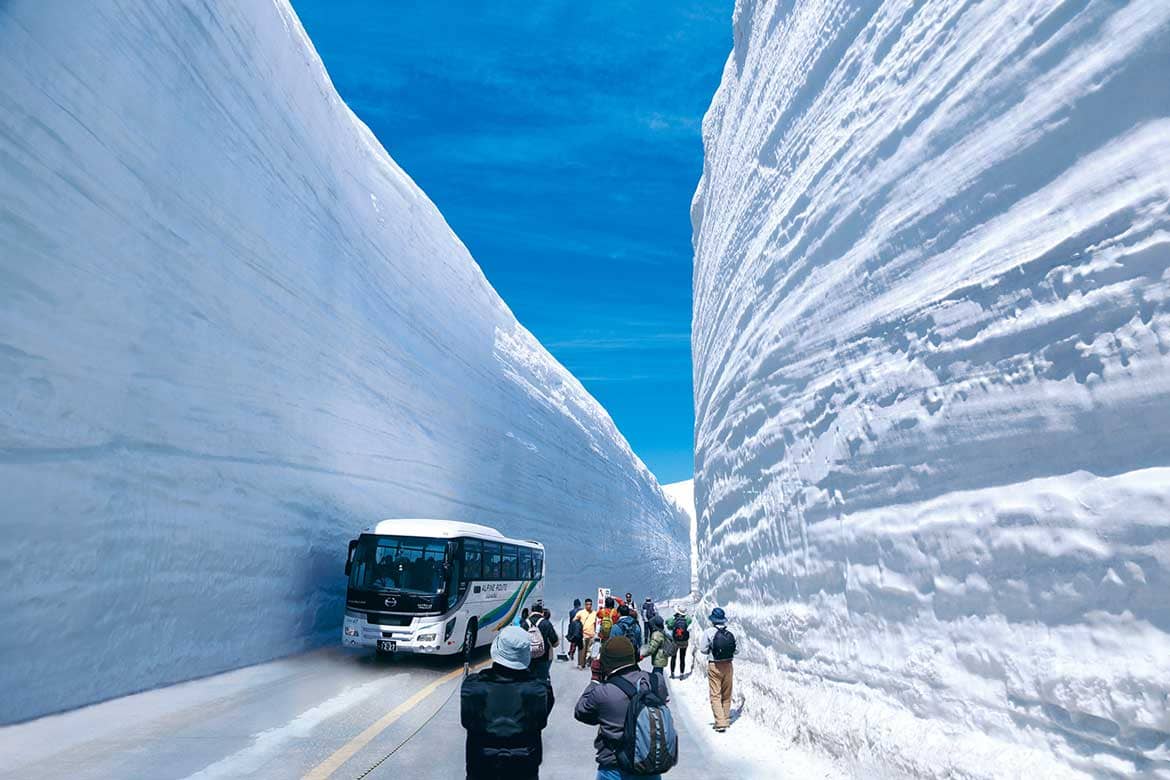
[
  {"x": 541, "y": 619},
  {"x": 504, "y": 710},
  {"x": 573, "y": 635}
]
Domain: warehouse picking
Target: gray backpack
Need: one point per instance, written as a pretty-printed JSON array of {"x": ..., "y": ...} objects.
[{"x": 649, "y": 743}]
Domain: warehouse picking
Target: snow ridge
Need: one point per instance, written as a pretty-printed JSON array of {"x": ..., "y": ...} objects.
[
  {"x": 932, "y": 370},
  {"x": 233, "y": 332}
]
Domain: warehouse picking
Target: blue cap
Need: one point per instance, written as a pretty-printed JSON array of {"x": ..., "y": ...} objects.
[{"x": 718, "y": 617}]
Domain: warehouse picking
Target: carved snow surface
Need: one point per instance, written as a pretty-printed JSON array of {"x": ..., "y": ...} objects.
[
  {"x": 931, "y": 337},
  {"x": 232, "y": 334}
]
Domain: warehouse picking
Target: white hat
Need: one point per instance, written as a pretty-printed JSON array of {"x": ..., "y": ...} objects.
[
  {"x": 682, "y": 610},
  {"x": 511, "y": 648}
]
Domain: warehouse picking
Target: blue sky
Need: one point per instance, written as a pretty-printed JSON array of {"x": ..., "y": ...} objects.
[{"x": 561, "y": 140}]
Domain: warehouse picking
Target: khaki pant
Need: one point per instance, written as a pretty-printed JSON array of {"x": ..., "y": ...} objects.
[
  {"x": 719, "y": 677},
  {"x": 586, "y": 646}
]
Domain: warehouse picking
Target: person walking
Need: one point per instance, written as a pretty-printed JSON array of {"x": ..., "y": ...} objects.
[
  {"x": 542, "y": 636},
  {"x": 605, "y": 705},
  {"x": 680, "y": 632},
  {"x": 719, "y": 647},
  {"x": 659, "y": 647},
  {"x": 648, "y": 613},
  {"x": 573, "y": 632},
  {"x": 504, "y": 709},
  {"x": 627, "y": 626},
  {"x": 588, "y": 620}
]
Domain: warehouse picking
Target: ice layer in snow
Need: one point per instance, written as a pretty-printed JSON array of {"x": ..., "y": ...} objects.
[
  {"x": 932, "y": 369},
  {"x": 232, "y": 333}
]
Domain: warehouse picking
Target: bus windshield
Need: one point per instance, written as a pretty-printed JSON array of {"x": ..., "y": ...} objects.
[{"x": 400, "y": 563}]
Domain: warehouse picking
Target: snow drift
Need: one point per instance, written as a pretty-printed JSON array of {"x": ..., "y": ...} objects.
[
  {"x": 932, "y": 348},
  {"x": 232, "y": 333}
]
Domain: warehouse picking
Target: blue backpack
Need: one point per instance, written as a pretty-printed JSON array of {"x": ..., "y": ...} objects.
[{"x": 649, "y": 743}]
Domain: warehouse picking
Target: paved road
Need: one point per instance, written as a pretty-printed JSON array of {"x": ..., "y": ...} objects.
[{"x": 328, "y": 714}]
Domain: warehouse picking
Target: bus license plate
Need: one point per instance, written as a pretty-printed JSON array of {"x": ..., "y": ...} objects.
[{"x": 387, "y": 645}]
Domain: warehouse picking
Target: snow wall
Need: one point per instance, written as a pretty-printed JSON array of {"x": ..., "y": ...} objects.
[
  {"x": 931, "y": 337},
  {"x": 233, "y": 333}
]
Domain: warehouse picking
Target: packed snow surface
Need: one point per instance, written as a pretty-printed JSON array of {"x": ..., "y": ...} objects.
[
  {"x": 233, "y": 333},
  {"x": 932, "y": 368}
]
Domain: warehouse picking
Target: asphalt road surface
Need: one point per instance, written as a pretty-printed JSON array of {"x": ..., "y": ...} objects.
[{"x": 328, "y": 714}]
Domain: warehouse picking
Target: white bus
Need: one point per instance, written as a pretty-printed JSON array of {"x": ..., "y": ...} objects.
[{"x": 436, "y": 586}]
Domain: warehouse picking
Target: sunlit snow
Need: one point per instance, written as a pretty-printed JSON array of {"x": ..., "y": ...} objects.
[{"x": 932, "y": 327}]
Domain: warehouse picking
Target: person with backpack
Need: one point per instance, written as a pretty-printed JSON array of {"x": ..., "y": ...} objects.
[
  {"x": 588, "y": 620},
  {"x": 648, "y": 613},
  {"x": 636, "y": 736},
  {"x": 659, "y": 647},
  {"x": 542, "y": 638},
  {"x": 719, "y": 645},
  {"x": 680, "y": 632},
  {"x": 570, "y": 631},
  {"x": 574, "y": 633},
  {"x": 504, "y": 709},
  {"x": 606, "y": 617},
  {"x": 627, "y": 626}
]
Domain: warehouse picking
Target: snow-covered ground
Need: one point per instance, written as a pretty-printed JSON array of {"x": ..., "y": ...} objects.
[
  {"x": 233, "y": 332},
  {"x": 932, "y": 346}
]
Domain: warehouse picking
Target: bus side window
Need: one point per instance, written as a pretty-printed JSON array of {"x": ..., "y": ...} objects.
[
  {"x": 525, "y": 563},
  {"x": 491, "y": 560},
  {"x": 508, "y": 571},
  {"x": 538, "y": 564},
  {"x": 472, "y": 559}
]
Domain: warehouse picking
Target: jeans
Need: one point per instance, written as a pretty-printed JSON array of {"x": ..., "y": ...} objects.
[{"x": 613, "y": 773}]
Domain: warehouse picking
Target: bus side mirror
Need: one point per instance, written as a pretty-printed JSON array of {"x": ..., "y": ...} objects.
[{"x": 349, "y": 557}]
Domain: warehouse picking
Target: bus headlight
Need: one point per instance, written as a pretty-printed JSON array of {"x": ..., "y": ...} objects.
[
  {"x": 351, "y": 631},
  {"x": 448, "y": 629},
  {"x": 426, "y": 637}
]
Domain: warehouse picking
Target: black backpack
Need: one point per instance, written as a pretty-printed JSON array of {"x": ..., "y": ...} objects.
[
  {"x": 575, "y": 632},
  {"x": 649, "y": 743},
  {"x": 681, "y": 632},
  {"x": 722, "y": 644}
]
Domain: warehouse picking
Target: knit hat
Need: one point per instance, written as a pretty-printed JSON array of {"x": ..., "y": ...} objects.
[
  {"x": 617, "y": 653},
  {"x": 718, "y": 617},
  {"x": 511, "y": 648},
  {"x": 658, "y": 622}
]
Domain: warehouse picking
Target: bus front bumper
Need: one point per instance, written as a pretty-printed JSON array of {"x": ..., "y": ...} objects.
[{"x": 431, "y": 638}]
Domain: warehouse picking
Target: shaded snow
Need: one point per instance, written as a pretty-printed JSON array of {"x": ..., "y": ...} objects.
[
  {"x": 232, "y": 333},
  {"x": 931, "y": 335},
  {"x": 683, "y": 494}
]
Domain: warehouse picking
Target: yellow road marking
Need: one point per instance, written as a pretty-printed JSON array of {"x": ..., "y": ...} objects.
[{"x": 347, "y": 751}]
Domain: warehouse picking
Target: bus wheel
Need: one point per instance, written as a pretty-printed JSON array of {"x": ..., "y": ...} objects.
[{"x": 469, "y": 638}]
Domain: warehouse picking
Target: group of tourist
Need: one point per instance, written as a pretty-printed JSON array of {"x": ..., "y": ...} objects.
[{"x": 506, "y": 707}]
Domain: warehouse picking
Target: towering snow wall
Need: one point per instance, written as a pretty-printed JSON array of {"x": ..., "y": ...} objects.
[
  {"x": 232, "y": 333},
  {"x": 931, "y": 337}
]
